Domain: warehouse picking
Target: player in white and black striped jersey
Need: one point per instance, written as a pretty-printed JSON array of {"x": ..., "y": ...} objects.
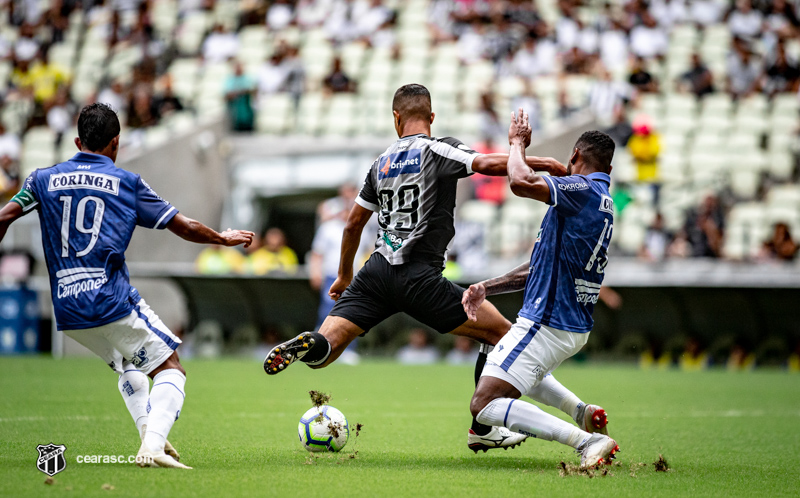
[{"x": 412, "y": 187}]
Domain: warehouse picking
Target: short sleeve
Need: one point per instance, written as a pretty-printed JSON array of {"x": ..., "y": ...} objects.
[
  {"x": 151, "y": 210},
  {"x": 568, "y": 194},
  {"x": 453, "y": 157},
  {"x": 368, "y": 197},
  {"x": 26, "y": 197}
]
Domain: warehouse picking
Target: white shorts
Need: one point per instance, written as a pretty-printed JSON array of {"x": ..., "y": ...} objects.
[
  {"x": 529, "y": 351},
  {"x": 140, "y": 339}
]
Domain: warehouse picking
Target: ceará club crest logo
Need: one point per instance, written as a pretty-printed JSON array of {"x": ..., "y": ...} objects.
[{"x": 51, "y": 459}]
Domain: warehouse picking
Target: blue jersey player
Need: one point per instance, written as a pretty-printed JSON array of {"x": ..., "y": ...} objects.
[
  {"x": 562, "y": 284},
  {"x": 88, "y": 209}
]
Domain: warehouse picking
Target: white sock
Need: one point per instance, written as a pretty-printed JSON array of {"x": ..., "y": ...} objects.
[
  {"x": 552, "y": 393},
  {"x": 525, "y": 418},
  {"x": 133, "y": 385},
  {"x": 166, "y": 400}
]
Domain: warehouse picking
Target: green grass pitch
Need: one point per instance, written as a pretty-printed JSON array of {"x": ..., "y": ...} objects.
[{"x": 723, "y": 434}]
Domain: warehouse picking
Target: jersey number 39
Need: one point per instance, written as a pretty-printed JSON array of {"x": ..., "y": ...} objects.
[{"x": 80, "y": 222}]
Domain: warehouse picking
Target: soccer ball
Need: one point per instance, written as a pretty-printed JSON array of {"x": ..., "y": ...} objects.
[{"x": 323, "y": 428}]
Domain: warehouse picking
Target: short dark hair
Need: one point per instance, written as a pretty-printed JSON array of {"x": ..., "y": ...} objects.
[
  {"x": 597, "y": 149},
  {"x": 98, "y": 124},
  {"x": 412, "y": 101}
]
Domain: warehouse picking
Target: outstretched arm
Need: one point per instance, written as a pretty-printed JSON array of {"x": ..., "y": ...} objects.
[
  {"x": 510, "y": 282},
  {"x": 358, "y": 218},
  {"x": 523, "y": 180},
  {"x": 497, "y": 165},
  {"x": 194, "y": 231},
  {"x": 10, "y": 213}
]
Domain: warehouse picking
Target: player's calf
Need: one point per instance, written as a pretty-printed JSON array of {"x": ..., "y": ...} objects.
[{"x": 309, "y": 347}]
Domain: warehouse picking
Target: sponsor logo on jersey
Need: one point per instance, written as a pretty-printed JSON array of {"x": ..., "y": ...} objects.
[
  {"x": 606, "y": 204},
  {"x": 393, "y": 241},
  {"x": 573, "y": 187},
  {"x": 75, "y": 281},
  {"x": 92, "y": 181},
  {"x": 587, "y": 292},
  {"x": 139, "y": 360},
  {"x": 400, "y": 163}
]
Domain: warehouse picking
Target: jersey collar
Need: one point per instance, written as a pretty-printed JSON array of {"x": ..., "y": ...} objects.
[
  {"x": 412, "y": 136},
  {"x": 88, "y": 157},
  {"x": 599, "y": 177}
]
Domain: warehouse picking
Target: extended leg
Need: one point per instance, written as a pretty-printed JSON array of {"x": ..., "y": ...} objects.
[
  {"x": 135, "y": 390},
  {"x": 316, "y": 349},
  {"x": 590, "y": 418}
]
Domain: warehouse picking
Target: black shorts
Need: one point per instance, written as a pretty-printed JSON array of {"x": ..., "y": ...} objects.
[{"x": 379, "y": 290}]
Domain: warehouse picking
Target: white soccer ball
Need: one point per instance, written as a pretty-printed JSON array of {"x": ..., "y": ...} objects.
[{"x": 323, "y": 428}]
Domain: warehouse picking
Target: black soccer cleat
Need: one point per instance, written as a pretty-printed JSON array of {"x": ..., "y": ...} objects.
[{"x": 286, "y": 353}]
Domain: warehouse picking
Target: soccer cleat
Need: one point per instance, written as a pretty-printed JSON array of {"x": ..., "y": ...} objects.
[
  {"x": 285, "y": 354},
  {"x": 498, "y": 437},
  {"x": 592, "y": 418},
  {"x": 148, "y": 458},
  {"x": 597, "y": 450},
  {"x": 168, "y": 448}
]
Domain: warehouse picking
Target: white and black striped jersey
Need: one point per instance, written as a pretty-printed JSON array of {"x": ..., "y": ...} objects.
[{"x": 412, "y": 187}]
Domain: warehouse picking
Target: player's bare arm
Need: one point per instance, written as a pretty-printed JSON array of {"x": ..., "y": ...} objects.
[
  {"x": 8, "y": 215},
  {"x": 356, "y": 221},
  {"x": 523, "y": 180},
  {"x": 497, "y": 165},
  {"x": 194, "y": 231},
  {"x": 512, "y": 281}
]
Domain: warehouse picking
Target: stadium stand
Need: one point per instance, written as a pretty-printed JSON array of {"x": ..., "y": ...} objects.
[{"x": 717, "y": 84}]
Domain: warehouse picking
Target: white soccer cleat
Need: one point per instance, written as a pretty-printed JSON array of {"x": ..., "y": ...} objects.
[
  {"x": 498, "y": 437},
  {"x": 592, "y": 418},
  {"x": 148, "y": 458},
  {"x": 597, "y": 450},
  {"x": 168, "y": 448}
]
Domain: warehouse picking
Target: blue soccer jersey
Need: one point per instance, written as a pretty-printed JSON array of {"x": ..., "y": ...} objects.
[
  {"x": 88, "y": 209},
  {"x": 570, "y": 254}
]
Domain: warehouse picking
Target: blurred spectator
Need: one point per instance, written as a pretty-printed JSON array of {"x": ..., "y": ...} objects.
[
  {"x": 744, "y": 70},
  {"x": 744, "y": 21},
  {"x": 272, "y": 75},
  {"x": 219, "y": 260},
  {"x": 418, "y": 351},
  {"x": 464, "y": 352},
  {"x": 656, "y": 241},
  {"x": 273, "y": 256},
  {"x": 114, "y": 96},
  {"x": 141, "y": 111},
  {"x": 9, "y": 164},
  {"x": 472, "y": 43},
  {"x": 371, "y": 18},
  {"x": 621, "y": 131},
  {"x": 46, "y": 78},
  {"x": 279, "y": 15},
  {"x": 385, "y": 36},
  {"x": 220, "y": 45},
  {"x": 605, "y": 96},
  {"x": 26, "y": 47},
  {"x": 704, "y": 228},
  {"x": 490, "y": 125},
  {"x": 781, "y": 246},
  {"x": 614, "y": 47},
  {"x": 239, "y": 91},
  {"x": 680, "y": 247},
  {"x": 782, "y": 75},
  {"x": 166, "y": 102},
  {"x": 60, "y": 116},
  {"x": 296, "y": 78},
  {"x": 10, "y": 146},
  {"x": 648, "y": 39},
  {"x": 337, "y": 81},
  {"x": 641, "y": 79},
  {"x": 489, "y": 188},
  {"x": 706, "y": 12},
  {"x": 535, "y": 57},
  {"x": 645, "y": 147},
  {"x": 698, "y": 80},
  {"x": 693, "y": 358},
  {"x": 575, "y": 61},
  {"x": 668, "y": 13},
  {"x": 565, "y": 109}
]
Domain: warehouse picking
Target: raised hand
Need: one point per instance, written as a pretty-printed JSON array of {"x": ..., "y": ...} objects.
[
  {"x": 338, "y": 288},
  {"x": 520, "y": 128}
]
